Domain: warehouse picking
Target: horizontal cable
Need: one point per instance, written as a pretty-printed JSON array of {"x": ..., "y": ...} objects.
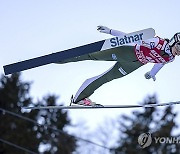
[
  {"x": 52, "y": 128},
  {"x": 17, "y": 146}
]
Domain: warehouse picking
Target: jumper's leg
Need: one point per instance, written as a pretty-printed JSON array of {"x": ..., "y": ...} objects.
[
  {"x": 116, "y": 54},
  {"x": 90, "y": 85}
]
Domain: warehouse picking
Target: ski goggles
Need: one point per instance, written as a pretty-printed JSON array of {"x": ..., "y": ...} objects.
[
  {"x": 177, "y": 46},
  {"x": 175, "y": 39}
]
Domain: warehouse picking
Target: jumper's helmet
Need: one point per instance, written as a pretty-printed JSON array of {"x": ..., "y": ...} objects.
[{"x": 175, "y": 40}]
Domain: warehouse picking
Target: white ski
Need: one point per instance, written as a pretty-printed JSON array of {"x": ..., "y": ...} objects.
[
  {"x": 129, "y": 38},
  {"x": 101, "y": 107}
]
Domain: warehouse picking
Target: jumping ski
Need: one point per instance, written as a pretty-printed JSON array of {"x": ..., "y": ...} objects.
[
  {"x": 101, "y": 106},
  {"x": 99, "y": 46}
]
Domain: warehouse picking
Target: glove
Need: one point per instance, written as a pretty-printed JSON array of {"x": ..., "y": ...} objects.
[
  {"x": 104, "y": 29},
  {"x": 149, "y": 76}
]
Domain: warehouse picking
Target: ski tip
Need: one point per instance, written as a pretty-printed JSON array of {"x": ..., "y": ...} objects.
[
  {"x": 72, "y": 100},
  {"x": 5, "y": 70}
]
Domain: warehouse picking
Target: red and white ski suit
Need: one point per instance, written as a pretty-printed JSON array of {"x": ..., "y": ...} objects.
[{"x": 154, "y": 50}]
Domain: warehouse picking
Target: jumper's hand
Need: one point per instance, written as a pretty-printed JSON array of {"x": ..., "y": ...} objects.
[
  {"x": 104, "y": 29},
  {"x": 149, "y": 76}
]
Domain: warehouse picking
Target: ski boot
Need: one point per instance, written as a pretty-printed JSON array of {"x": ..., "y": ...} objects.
[{"x": 85, "y": 102}]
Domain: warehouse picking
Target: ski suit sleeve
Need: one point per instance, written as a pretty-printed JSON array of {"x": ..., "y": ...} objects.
[
  {"x": 117, "y": 33},
  {"x": 104, "y": 29},
  {"x": 156, "y": 69}
]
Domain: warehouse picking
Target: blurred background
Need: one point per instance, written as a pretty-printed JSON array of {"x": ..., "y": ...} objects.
[{"x": 30, "y": 29}]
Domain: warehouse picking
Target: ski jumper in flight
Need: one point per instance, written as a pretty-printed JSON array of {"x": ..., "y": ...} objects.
[{"x": 128, "y": 58}]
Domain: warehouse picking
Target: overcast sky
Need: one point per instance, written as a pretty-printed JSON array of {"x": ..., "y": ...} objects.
[{"x": 34, "y": 28}]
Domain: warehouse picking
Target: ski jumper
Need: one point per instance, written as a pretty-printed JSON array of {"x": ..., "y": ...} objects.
[{"x": 128, "y": 58}]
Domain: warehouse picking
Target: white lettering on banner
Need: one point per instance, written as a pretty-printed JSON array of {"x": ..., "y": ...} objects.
[
  {"x": 158, "y": 57},
  {"x": 141, "y": 56}
]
